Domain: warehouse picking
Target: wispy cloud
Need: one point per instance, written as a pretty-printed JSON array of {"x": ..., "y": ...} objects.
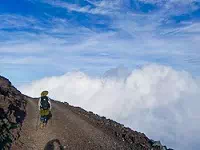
[
  {"x": 24, "y": 60},
  {"x": 99, "y": 9},
  {"x": 132, "y": 39},
  {"x": 135, "y": 38},
  {"x": 10, "y": 21},
  {"x": 174, "y": 7}
]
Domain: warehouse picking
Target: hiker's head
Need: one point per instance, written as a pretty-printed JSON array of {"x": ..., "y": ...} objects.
[{"x": 44, "y": 93}]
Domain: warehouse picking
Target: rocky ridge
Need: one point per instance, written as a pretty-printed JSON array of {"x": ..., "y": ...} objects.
[
  {"x": 12, "y": 113},
  {"x": 135, "y": 140}
]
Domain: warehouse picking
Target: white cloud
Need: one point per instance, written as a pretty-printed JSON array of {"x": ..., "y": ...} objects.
[
  {"x": 112, "y": 5},
  {"x": 142, "y": 46},
  {"x": 168, "y": 2},
  {"x": 174, "y": 7},
  {"x": 193, "y": 28},
  {"x": 24, "y": 60},
  {"x": 23, "y": 48},
  {"x": 10, "y": 21},
  {"x": 104, "y": 7},
  {"x": 158, "y": 100},
  {"x": 82, "y": 9},
  {"x": 134, "y": 39}
]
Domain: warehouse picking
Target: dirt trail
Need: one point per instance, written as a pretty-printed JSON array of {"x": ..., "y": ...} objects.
[{"x": 66, "y": 130}]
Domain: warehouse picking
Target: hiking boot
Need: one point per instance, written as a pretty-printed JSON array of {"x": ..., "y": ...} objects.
[
  {"x": 41, "y": 125},
  {"x": 45, "y": 124}
]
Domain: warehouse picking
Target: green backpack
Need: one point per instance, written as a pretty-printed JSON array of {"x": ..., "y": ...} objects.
[{"x": 44, "y": 103}]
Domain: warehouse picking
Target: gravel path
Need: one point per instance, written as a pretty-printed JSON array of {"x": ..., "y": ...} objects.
[{"x": 66, "y": 130}]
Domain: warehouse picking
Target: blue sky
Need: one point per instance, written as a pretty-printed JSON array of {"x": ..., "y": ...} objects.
[{"x": 40, "y": 38}]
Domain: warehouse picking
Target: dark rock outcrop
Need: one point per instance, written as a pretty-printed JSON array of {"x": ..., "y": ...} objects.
[{"x": 12, "y": 113}]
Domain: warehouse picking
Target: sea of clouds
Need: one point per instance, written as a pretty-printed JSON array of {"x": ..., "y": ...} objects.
[{"x": 157, "y": 100}]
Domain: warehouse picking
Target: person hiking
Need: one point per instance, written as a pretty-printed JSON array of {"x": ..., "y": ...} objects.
[{"x": 44, "y": 105}]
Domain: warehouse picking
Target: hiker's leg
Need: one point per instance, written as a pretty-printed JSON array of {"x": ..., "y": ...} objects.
[
  {"x": 46, "y": 116},
  {"x": 44, "y": 121},
  {"x": 42, "y": 117},
  {"x": 41, "y": 121}
]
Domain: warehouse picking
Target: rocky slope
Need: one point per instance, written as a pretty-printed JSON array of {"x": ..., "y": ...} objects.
[
  {"x": 70, "y": 128},
  {"x": 12, "y": 113}
]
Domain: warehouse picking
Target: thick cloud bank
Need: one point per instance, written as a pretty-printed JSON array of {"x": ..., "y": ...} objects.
[{"x": 157, "y": 100}]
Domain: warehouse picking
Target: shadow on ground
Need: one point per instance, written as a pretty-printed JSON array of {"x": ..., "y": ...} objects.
[{"x": 54, "y": 145}]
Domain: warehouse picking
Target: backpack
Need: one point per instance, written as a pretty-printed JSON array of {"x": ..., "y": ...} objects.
[{"x": 44, "y": 103}]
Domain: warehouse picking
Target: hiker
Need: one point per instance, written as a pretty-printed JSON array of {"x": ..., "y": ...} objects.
[{"x": 44, "y": 105}]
